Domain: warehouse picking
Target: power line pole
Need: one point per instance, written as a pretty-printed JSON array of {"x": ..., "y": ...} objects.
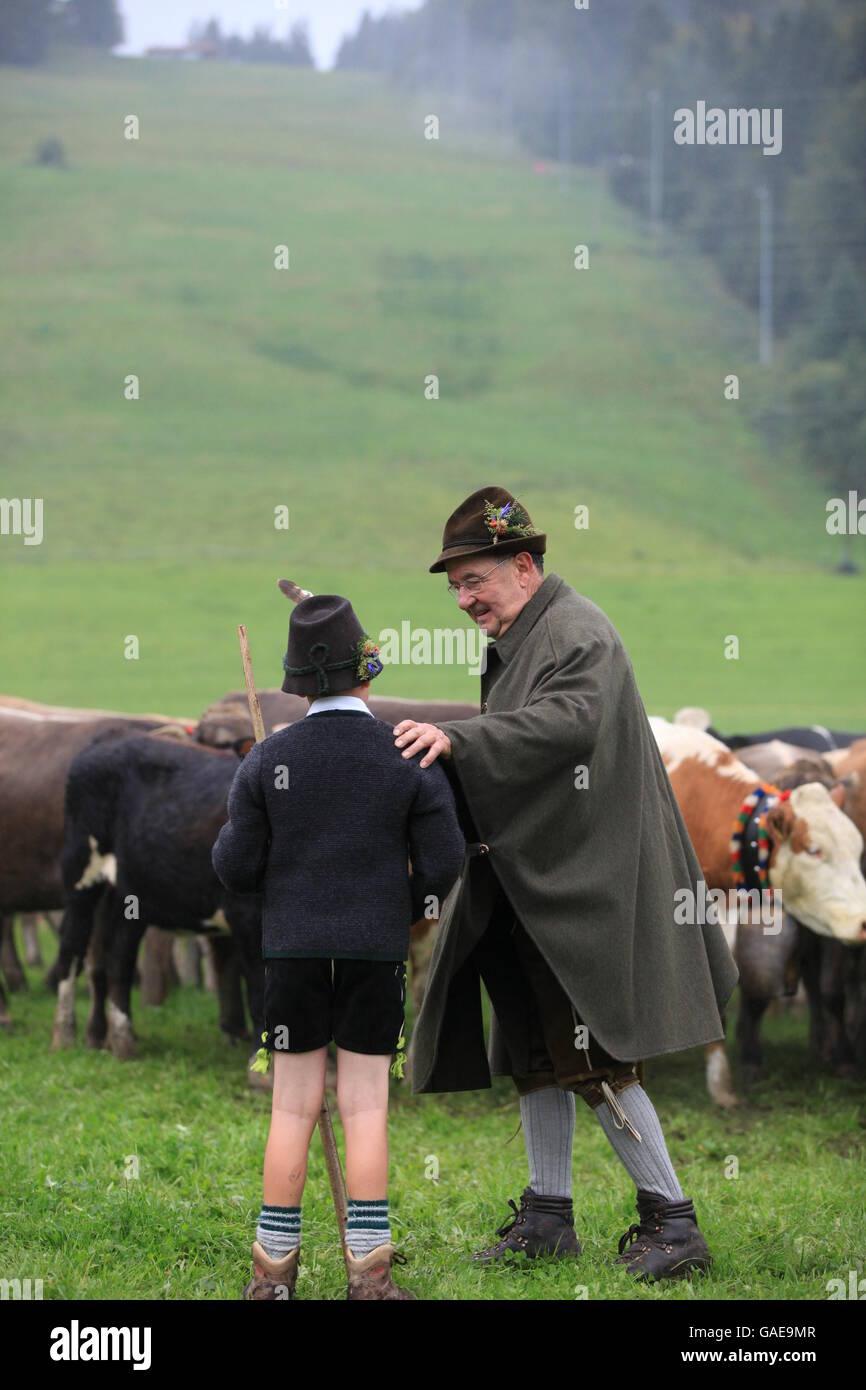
[
  {"x": 655, "y": 189},
  {"x": 507, "y": 106},
  {"x": 564, "y": 141},
  {"x": 507, "y": 70},
  {"x": 765, "y": 288},
  {"x": 461, "y": 55}
]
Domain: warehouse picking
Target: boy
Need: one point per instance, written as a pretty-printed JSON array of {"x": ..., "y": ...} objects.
[{"x": 322, "y": 817}]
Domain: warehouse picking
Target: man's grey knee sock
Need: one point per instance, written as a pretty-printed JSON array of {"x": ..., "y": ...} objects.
[
  {"x": 548, "y": 1129},
  {"x": 647, "y": 1162}
]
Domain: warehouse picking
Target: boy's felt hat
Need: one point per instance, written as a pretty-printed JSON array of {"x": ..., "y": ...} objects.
[
  {"x": 328, "y": 650},
  {"x": 491, "y": 519}
]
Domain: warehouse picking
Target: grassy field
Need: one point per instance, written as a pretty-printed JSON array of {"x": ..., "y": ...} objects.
[
  {"x": 793, "y": 1219},
  {"x": 305, "y": 388}
]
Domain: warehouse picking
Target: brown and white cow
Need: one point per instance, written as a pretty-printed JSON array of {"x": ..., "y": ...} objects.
[
  {"x": 814, "y": 862},
  {"x": 833, "y": 974}
]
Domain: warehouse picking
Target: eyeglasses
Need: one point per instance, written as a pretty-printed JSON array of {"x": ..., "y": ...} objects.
[{"x": 473, "y": 584}]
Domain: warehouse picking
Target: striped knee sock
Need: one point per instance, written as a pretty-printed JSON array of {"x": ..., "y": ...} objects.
[
  {"x": 279, "y": 1230},
  {"x": 367, "y": 1226}
]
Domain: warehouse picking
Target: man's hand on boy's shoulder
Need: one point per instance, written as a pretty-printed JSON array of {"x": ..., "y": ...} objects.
[{"x": 419, "y": 737}]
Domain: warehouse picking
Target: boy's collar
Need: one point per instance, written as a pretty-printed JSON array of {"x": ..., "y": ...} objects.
[{"x": 349, "y": 702}]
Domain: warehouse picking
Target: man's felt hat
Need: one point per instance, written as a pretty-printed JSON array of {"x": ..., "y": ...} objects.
[
  {"x": 490, "y": 520},
  {"x": 328, "y": 650}
]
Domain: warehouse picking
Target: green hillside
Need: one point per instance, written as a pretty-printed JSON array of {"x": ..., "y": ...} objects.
[{"x": 305, "y": 388}]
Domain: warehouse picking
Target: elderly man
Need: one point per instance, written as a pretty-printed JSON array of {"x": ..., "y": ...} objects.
[{"x": 565, "y": 905}]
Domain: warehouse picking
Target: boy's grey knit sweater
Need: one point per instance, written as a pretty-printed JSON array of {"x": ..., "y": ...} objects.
[{"x": 323, "y": 817}]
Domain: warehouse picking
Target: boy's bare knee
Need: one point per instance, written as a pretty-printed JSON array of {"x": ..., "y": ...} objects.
[
  {"x": 299, "y": 1083},
  {"x": 356, "y": 1108},
  {"x": 296, "y": 1108}
]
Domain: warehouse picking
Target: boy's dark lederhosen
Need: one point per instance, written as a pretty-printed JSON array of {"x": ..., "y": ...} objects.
[
  {"x": 538, "y": 1009},
  {"x": 359, "y": 1004}
]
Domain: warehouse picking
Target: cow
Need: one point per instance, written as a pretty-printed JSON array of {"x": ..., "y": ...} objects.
[
  {"x": 810, "y": 736},
  {"x": 833, "y": 974},
  {"x": 37, "y": 745},
  {"x": 30, "y": 933},
  {"x": 814, "y": 849},
  {"x": 141, "y": 817},
  {"x": 768, "y": 760},
  {"x": 849, "y": 764}
]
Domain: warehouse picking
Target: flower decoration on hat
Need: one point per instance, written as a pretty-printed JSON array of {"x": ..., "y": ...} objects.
[
  {"x": 508, "y": 521},
  {"x": 367, "y": 664}
]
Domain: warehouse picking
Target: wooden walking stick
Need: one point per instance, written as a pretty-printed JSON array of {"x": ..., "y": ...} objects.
[{"x": 326, "y": 1128}]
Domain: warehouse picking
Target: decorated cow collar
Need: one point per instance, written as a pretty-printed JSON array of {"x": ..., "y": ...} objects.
[{"x": 750, "y": 842}]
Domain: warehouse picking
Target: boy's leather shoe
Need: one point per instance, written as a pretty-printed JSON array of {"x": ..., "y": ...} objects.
[
  {"x": 539, "y": 1226},
  {"x": 273, "y": 1279},
  {"x": 370, "y": 1276},
  {"x": 665, "y": 1243}
]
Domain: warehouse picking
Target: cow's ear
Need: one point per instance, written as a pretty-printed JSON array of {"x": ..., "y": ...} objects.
[
  {"x": 242, "y": 746},
  {"x": 780, "y": 820},
  {"x": 838, "y": 794}
]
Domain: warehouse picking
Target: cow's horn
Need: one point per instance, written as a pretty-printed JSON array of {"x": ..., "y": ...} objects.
[{"x": 693, "y": 717}]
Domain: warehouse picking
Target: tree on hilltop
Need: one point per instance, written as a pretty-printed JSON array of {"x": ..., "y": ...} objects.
[
  {"x": 94, "y": 22},
  {"x": 25, "y": 28}
]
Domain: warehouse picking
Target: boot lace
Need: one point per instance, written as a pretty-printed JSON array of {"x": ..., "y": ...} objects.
[
  {"x": 508, "y": 1225},
  {"x": 649, "y": 1229}
]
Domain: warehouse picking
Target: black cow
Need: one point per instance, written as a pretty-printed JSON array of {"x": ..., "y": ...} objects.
[
  {"x": 141, "y": 817},
  {"x": 813, "y": 736}
]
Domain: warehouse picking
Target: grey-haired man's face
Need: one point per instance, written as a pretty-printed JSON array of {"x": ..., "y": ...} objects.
[{"x": 503, "y": 593}]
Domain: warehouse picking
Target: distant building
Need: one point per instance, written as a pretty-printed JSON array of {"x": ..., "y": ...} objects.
[{"x": 189, "y": 51}]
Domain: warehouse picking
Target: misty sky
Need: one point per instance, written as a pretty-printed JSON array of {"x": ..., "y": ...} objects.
[{"x": 149, "y": 22}]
